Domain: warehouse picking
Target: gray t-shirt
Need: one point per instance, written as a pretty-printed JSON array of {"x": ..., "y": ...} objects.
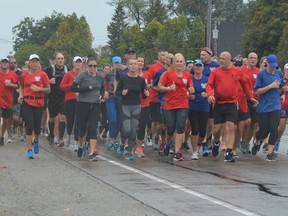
[{"x": 84, "y": 79}]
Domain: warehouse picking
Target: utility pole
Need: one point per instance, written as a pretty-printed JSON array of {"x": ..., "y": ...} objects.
[{"x": 208, "y": 27}]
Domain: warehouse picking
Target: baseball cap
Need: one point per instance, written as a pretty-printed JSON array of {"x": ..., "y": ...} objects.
[
  {"x": 208, "y": 50},
  {"x": 272, "y": 60},
  {"x": 76, "y": 58},
  {"x": 198, "y": 62},
  {"x": 238, "y": 61},
  {"x": 116, "y": 59},
  {"x": 286, "y": 66},
  {"x": 5, "y": 59},
  {"x": 34, "y": 56},
  {"x": 130, "y": 50}
]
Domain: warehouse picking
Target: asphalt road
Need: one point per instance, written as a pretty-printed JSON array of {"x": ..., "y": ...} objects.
[{"x": 56, "y": 183}]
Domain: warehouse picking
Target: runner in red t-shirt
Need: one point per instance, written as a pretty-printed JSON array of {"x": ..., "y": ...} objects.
[
  {"x": 33, "y": 84},
  {"x": 70, "y": 99},
  {"x": 154, "y": 104},
  {"x": 8, "y": 82},
  {"x": 177, "y": 83}
]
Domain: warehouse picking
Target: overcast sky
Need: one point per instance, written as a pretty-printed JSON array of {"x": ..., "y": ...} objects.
[{"x": 98, "y": 15}]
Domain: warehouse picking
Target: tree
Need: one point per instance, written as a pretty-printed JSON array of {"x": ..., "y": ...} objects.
[
  {"x": 134, "y": 8},
  {"x": 197, "y": 38},
  {"x": 283, "y": 47},
  {"x": 266, "y": 21},
  {"x": 72, "y": 38},
  {"x": 156, "y": 10},
  {"x": 116, "y": 29},
  {"x": 30, "y": 31},
  {"x": 25, "y": 51}
]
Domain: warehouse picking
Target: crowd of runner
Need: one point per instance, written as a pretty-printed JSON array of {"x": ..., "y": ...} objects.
[{"x": 207, "y": 105}]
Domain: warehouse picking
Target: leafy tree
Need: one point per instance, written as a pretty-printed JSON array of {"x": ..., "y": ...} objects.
[
  {"x": 25, "y": 51},
  {"x": 197, "y": 38},
  {"x": 72, "y": 38},
  {"x": 116, "y": 29},
  {"x": 283, "y": 47},
  {"x": 134, "y": 8},
  {"x": 156, "y": 10},
  {"x": 36, "y": 32},
  {"x": 267, "y": 19}
]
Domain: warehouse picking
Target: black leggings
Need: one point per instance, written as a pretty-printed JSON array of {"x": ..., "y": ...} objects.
[
  {"x": 70, "y": 113},
  {"x": 268, "y": 124},
  {"x": 198, "y": 122},
  {"x": 87, "y": 116},
  {"x": 32, "y": 116},
  {"x": 143, "y": 121}
]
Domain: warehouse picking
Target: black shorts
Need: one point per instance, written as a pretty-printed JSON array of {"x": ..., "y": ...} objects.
[
  {"x": 56, "y": 107},
  {"x": 252, "y": 111},
  {"x": 225, "y": 112},
  {"x": 243, "y": 116},
  {"x": 5, "y": 113},
  {"x": 211, "y": 113},
  {"x": 154, "y": 110}
]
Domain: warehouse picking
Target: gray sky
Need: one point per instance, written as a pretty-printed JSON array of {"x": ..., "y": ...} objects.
[{"x": 98, "y": 15}]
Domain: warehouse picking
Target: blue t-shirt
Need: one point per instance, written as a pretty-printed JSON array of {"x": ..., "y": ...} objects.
[
  {"x": 199, "y": 103},
  {"x": 270, "y": 100},
  {"x": 209, "y": 67},
  {"x": 156, "y": 81}
]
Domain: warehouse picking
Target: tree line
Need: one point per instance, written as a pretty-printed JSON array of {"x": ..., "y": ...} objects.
[{"x": 153, "y": 25}]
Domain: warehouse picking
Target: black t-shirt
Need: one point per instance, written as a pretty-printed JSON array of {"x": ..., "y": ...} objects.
[
  {"x": 55, "y": 72},
  {"x": 16, "y": 94},
  {"x": 135, "y": 85}
]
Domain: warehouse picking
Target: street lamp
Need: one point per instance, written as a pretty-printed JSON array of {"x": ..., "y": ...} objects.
[
  {"x": 208, "y": 29},
  {"x": 215, "y": 37}
]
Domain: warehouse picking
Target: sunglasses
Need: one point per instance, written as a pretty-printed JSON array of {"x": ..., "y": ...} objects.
[
  {"x": 189, "y": 61},
  {"x": 12, "y": 62},
  {"x": 95, "y": 66}
]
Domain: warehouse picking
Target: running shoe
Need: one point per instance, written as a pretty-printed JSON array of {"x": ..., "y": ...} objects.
[
  {"x": 140, "y": 152},
  {"x": 129, "y": 155},
  {"x": 270, "y": 157},
  {"x": 265, "y": 147},
  {"x": 185, "y": 146},
  {"x": 68, "y": 141},
  {"x": 148, "y": 141},
  {"x": 256, "y": 147},
  {"x": 194, "y": 155},
  {"x": 242, "y": 147},
  {"x": 60, "y": 143},
  {"x": 156, "y": 143},
  {"x": 166, "y": 150},
  {"x": 30, "y": 154},
  {"x": 205, "y": 150},
  {"x": 75, "y": 148},
  {"x": 276, "y": 147},
  {"x": 215, "y": 149},
  {"x": 229, "y": 157},
  {"x": 9, "y": 140},
  {"x": 93, "y": 156},
  {"x": 247, "y": 146},
  {"x": 110, "y": 146},
  {"x": 80, "y": 152},
  {"x": 178, "y": 157},
  {"x": 120, "y": 150},
  {"x": 35, "y": 146}
]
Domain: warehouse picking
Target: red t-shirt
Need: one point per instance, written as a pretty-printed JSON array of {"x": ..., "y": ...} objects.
[
  {"x": 66, "y": 85},
  {"x": 242, "y": 98},
  {"x": 223, "y": 84},
  {"x": 152, "y": 71},
  {"x": 145, "y": 102},
  {"x": 40, "y": 79},
  {"x": 252, "y": 74},
  {"x": 6, "y": 93},
  {"x": 176, "y": 99}
]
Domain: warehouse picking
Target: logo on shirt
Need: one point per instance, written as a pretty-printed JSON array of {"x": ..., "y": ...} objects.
[
  {"x": 37, "y": 78},
  {"x": 212, "y": 68},
  {"x": 7, "y": 81},
  {"x": 255, "y": 76},
  {"x": 203, "y": 85},
  {"x": 184, "y": 80}
]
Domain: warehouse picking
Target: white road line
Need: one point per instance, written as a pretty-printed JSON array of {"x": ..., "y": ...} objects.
[{"x": 183, "y": 189}]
